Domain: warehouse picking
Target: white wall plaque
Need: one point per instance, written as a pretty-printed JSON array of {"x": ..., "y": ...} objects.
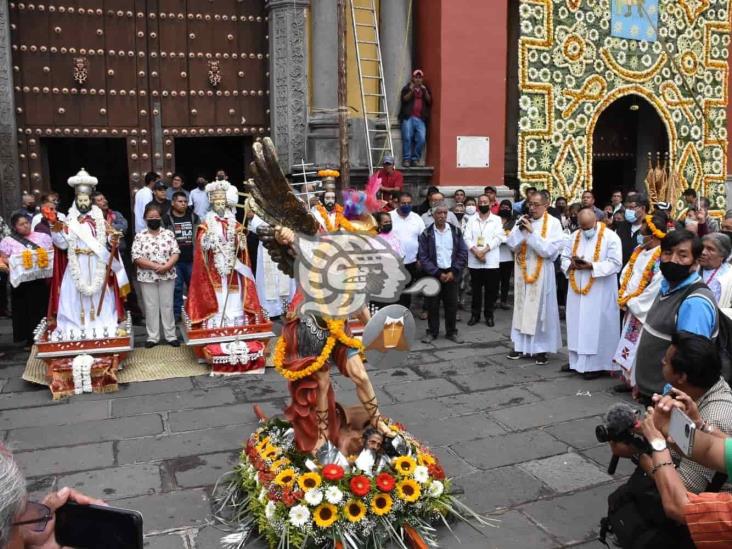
[{"x": 473, "y": 152}]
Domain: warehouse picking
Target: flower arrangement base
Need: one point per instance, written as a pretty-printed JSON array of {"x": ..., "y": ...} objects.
[
  {"x": 292, "y": 499},
  {"x": 103, "y": 376},
  {"x": 236, "y": 358}
]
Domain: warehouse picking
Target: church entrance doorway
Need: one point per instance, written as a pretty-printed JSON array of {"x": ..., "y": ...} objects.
[
  {"x": 625, "y": 133},
  {"x": 204, "y": 156},
  {"x": 103, "y": 158}
]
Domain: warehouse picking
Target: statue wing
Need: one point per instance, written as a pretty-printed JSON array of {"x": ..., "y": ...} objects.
[
  {"x": 272, "y": 193},
  {"x": 272, "y": 199}
]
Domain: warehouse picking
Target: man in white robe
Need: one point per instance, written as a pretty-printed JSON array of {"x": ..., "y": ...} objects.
[
  {"x": 275, "y": 288},
  {"x": 537, "y": 241},
  {"x": 593, "y": 328}
]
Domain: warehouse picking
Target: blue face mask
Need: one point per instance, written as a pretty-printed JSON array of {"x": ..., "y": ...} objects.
[
  {"x": 630, "y": 216},
  {"x": 589, "y": 233},
  {"x": 641, "y": 239},
  {"x": 405, "y": 209}
]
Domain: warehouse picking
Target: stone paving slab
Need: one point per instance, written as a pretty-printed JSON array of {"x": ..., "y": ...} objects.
[
  {"x": 202, "y": 470},
  {"x": 601, "y": 455},
  {"x": 499, "y": 451},
  {"x": 486, "y": 491},
  {"x": 454, "y": 430},
  {"x": 566, "y": 472},
  {"x": 66, "y": 460},
  {"x": 54, "y": 413},
  {"x": 118, "y": 482},
  {"x": 182, "y": 400},
  {"x": 553, "y": 411},
  {"x": 579, "y": 433},
  {"x": 179, "y": 509},
  {"x": 169, "y": 541},
  {"x": 430, "y": 388}
]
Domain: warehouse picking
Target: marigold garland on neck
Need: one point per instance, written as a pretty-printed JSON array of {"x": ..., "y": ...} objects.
[
  {"x": 645, "y": 279},
  {"x": 337, "y": 334},
  {"x": 341, "y": 221},
  {"x": 539, "y": 260},
  {"x": 659, "y": 234},
  {"x": 27, "y": 257},
  {"x": 596, "y": 257}
]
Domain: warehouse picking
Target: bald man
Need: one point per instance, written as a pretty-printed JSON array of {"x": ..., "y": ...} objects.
[{"x": 592, "y": 258}]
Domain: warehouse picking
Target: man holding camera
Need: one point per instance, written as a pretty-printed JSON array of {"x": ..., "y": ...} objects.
[
  {"x": 537, "y": 240},
  {"x": 591, "y": 260},
  {"x": 413, "y": 115}
]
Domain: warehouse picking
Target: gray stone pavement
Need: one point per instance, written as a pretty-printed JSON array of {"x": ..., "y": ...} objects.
[{"x": 517, "y": 438}]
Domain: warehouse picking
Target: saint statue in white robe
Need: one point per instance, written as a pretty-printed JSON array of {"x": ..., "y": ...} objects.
[
  {"x": 275, "y": 288},
  {"x": 593, "y": 317},
  {"x": 535, "y": 327}
]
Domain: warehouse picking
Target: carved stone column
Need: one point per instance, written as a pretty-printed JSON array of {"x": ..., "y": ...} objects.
[
  {"x": 288, "y": 78},
  {"x": 9, "y": 175}
]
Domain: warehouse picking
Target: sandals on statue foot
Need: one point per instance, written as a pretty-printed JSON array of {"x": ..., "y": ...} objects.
[{"x": 375, "y": 419}]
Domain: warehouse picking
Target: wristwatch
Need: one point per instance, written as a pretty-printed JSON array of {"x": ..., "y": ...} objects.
[{"x": 658, "y": 445}]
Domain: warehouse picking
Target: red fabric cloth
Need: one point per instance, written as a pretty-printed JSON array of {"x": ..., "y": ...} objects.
[
  {"x": 417, "y": 106},
  {"x": 709, "y": 519},
  {"x": 201, "y": 303}
]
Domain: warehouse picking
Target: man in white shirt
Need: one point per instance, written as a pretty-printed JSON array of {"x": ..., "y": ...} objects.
[
  {"x": 438, "y": 198},
  {"x": 406, "y": 227},
  {"x": 483, "y": 237},
  {"x": 142, "y": 198},
  {"x": 198, "y": 199}
]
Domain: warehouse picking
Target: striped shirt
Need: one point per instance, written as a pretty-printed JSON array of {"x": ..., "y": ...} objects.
[{"x": 709, "y": 519}]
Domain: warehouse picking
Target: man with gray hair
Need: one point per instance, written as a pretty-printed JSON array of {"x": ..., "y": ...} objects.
[
  {"x": 713, "y": 261},
  {"x": 25, "y": 523},
  {"x": 427, "y": 217},
  {"x": 443, "y": 255}
]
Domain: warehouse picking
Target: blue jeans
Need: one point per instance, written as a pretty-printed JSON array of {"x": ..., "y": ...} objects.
[
  {"x": 183, "y": 270},
  {"x": 414, "y": 135}
]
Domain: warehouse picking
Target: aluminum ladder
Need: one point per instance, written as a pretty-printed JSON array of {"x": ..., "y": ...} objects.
[{"x": 368, "y": 51}]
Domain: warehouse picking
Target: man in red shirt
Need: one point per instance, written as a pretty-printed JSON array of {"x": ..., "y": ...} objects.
[
  {"x": 490, "y": 192},
  {"x": 413, "y": 115},
  {"x": 392, "y": 180}
]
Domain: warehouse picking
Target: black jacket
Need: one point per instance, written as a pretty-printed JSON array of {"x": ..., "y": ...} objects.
[
  {"x": 627, "y": 238},
  {"x": 427, "y": 254},
  {"x": 405, "y": 110}
]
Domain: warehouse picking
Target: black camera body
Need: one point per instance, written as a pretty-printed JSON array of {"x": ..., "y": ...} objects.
[
  {"x": 618, "y": 427},
  {"x": 603, "y": 433}
]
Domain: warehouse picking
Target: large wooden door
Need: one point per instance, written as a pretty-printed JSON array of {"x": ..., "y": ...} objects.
[{"x": 145, "y": 70}]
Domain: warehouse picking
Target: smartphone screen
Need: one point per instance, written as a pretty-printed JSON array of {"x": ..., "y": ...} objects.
[
  {"x": 96, "y": 527},
  {"x": 681, "y": 430}
]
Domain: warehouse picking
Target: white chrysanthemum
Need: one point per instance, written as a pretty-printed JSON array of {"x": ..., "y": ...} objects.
[
  {"x": 717, "y": 167},
  {"x": 269, "y": 510},
  {"x": 684, "y": 131},
  {"x": 524, "y": 102},
  {"x": 643, "y": 46},
  {"x": 620, "y": 57},
  {"x": 525, "y": 10},
  {"x": 531, "y": 145},
  {"x": 562, "y": 12},
  {"x": 533, "y": 56},
  {"x": 559, "y": 125},
  {"x": 646, "y": 60},
  {"x": 421, "y": 474},
  {"x": 531, "y": 163},
  {"x": 299, "y": 516},
  {"x": 538, "y": 12},
  {"x": 333, "y": 495},
  {"x": 314, "y": 497},
  {"x": 436, "y": 489},
  {"x": 604, "y": 24},
  {"x": 526, "y": 27},
  {"x": 557, "y": 77},
  {"x": 532, "y": 112},
  {"x": 524, "y": 123},
  {"x": 695, "y": 132},
  {"x": 545, "y": 57},
  {"x": 590, "y": 18}
]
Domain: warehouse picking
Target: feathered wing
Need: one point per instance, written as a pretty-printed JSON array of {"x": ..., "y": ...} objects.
[{"x": 273, "y": 200}]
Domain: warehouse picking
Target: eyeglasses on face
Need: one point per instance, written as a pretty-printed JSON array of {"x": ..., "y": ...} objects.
[{"x": 35, "y": 516}]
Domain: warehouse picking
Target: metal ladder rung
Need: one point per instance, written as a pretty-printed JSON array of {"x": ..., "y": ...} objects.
[
  {"x": 371, "y": 59},
  {"x": 373, "y": 77},
  {"x": 375, "y": 112},
  {"x": 380, "y": 148},
  {"x": 374, "y": 94},
  {"x": 377, "y": 130},
  {"x": 369, "y": 25},
  {"x": 362, "y": 8},
  {"x": 367, "y": 42}
]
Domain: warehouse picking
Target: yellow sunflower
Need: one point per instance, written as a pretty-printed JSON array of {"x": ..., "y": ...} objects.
[
  {"x": 270, "y": 452},
  {"x": 308, "y": 481},
  {"x": 405, "y": 465},
  {"x": 285, "y": 478},
  {"x": 408, "y": 490},
  {"x": 262, "y": 443},
  {"x": 279, "y": 464},
  {"x": 381, "y": 504},
  {"x": 354, "y": 510},
  {"x": 325, "y": 515},
  {"x": 426, "y": 459}
]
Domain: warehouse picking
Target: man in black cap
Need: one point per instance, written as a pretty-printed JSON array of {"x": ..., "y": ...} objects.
[{"x": 160, "y": 196}]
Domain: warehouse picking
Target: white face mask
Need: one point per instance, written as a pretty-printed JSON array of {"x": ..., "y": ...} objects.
[
  {"x": 470, "y": 210},
  {"x": 589, "y": 233}
]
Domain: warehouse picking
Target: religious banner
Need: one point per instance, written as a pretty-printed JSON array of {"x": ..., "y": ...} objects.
[
  {"x": 573, "y": 66},
  {"x": 635, "y": 19}
]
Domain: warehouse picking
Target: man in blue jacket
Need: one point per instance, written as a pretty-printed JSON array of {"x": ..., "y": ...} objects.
[{"x": 443, "y": 254}]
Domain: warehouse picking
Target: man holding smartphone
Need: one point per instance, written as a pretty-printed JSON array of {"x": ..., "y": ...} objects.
[{"x": 591, "y": 260}]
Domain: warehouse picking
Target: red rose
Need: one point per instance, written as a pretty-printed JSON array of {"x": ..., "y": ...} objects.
[
  {"x": 436, "y": 471},
  {"x": 360, "y": 485},
  {"x": 385, "y": 482},
  {"x": 333, "y": 472}
]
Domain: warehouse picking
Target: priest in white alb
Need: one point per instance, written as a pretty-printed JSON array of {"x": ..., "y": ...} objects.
[
  {"x": 537, "y": 241},
  {"x": 592, "y": 259}
]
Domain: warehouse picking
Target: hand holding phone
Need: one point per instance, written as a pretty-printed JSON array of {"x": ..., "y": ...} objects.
[
  {"x": 98, "y": 527},
  {"x": 682, "y": 430}
]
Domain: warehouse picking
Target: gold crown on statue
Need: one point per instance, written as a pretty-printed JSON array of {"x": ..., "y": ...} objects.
[
  {"x": 217, "y": 189},
  {"x": 82, "y": 182}
]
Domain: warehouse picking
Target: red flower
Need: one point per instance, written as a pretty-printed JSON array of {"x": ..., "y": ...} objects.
[
  {"x": 385, "y": 482},
  {"x": 264, "y": 477},
  {"x": 436, "y": 471},
  {"x": 288, "y": 497},
  {"x": 360, "y": 485},
  {"x": 333, "y": 472}
]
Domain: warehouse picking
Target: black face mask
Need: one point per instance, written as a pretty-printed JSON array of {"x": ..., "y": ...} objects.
[
  {"x": 674, "y": 272},
  {"x": 153, "y": 224},
  {"x": 459, "y": 216},
  {"x": 484, "y": 208},
  {"x": 385, "y": 228}
]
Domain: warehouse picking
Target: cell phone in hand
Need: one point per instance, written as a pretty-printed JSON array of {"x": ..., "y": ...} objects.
[
  {"x": 682, "y": 430},
  {"x": 98, "y": 527}
]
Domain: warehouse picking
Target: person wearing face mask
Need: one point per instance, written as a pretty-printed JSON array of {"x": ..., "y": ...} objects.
[
  {"x": 640, "y": 281},
  {"x": 483, "y": 236},
  {"x": 684, "y": 303},
  {"x": 155, "y": 252},
  {"x": 591, "y": 259},
  {"x": 471, "y": 208},
  {"x": 384, "y": 227},
  {"x": 198, "y": 198},
  {"x": 505, "y": 255},
  {"x": 406, "y": 228},
  {"x": 635, "y": 209}
]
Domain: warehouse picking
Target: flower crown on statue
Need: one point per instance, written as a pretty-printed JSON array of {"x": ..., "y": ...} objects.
[
  {"x": 217, "y": 189},
  {"x": 82, "y": 182}
]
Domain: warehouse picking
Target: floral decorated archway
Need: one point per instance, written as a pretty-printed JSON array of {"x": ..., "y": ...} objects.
[{"x": 575, "y": 60}]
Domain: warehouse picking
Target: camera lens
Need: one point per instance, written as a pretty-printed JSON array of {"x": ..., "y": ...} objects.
[
  {"x": 687, "y": 430},
  {"x": 601, "y": 433}
]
